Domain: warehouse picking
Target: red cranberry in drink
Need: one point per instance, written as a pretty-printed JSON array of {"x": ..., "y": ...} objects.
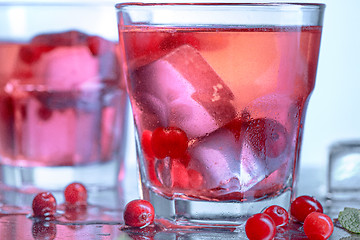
[
  {"x": 278, "y": 214},
  {"x": 169, "y": 142},
  {"x": 44, "y": 205},
  {"x": 302, "y": 206},
  {"x": 139, "y": 213},
  {"x": 260, "y": 227},
  {"x": 75, "y": 194},
  {"x": 318, "y": 226}
]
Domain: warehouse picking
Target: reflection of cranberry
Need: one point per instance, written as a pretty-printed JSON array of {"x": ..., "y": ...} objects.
[
  {"x": 170, "y": 141},
  {"x": 44, "y": 230},
  {"x": 267, "y": 137},
  {"x": 44, "y": 205},
  {"x": 74, "y": 213}
]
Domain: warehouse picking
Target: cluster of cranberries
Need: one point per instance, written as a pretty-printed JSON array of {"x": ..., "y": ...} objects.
[
  {"x": 262, "y": 226},
  {"x": 138, "y": 213},
  {"x": 304, "y": 209},
  {"x": 44, "y": 204}
]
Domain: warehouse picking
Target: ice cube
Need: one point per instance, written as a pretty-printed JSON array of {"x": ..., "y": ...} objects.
[
  {"x": 66, "y": 68},
  {"x": 235, "y": 161},
  {"x": 217, "y": 158},
  {"x": 193, "y": 96}
]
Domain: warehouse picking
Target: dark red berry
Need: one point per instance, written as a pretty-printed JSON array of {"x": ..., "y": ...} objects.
[
  {"x": 267, "y": 137},
  {"x": 303, "y": 206},
  {"x": 44, "y": 113},
  {"x": 44, "y": 205},
  {"x": 42, "y": 230},
  {"x": 278, "y": 214},
  {"x": 169, "y": 142},
  {"x": 75, "y": 194},
  {"x": 260, "y": 227},
  {"x": 318, "y": 226},
  {"x": 139, "y": 213}
]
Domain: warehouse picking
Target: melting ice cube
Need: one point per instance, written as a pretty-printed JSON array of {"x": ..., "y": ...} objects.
[
  {"x": 228, "y": 161},
  {"x": 193, "y": 97},
  {"x": 66, "y": 67}
]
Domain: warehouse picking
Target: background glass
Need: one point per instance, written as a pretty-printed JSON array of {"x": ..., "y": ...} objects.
[{"x": 62, "y": 100}]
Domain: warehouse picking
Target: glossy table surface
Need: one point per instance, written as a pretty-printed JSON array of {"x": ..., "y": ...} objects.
[{"x": 103, "y": 217}]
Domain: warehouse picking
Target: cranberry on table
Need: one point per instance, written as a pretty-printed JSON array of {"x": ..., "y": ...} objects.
[
  {"x": 75, "y": 194},
  {"x": 278, "y": 214},
  {"x": 139, "y": 213},
  {"x": 44, "y": 205},
  {"x": 303, "y": 206},
  {"x": 318, "y": 226},
  {"x": 260, "y": 227},
  {"x": 169, "y": 142}
]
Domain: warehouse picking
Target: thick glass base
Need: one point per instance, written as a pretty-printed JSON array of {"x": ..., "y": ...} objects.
[
  {"x": 184, "y": 213},
  {"x": 95, "y": 177}
]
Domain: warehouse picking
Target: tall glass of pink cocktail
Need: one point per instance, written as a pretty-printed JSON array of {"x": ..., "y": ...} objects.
[{"x": 219, "y": 94}]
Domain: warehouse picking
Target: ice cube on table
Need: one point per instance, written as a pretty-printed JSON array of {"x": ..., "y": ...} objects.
[
  {"x": 344, "y": 171},
  {"x": 193, "y": 96}
]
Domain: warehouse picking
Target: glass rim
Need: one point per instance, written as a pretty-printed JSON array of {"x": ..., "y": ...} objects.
[
  {"x": 224, "y": 4},
  {"x": 56, "y": 3}
]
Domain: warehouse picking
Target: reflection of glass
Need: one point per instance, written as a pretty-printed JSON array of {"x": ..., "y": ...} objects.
[
  {"x": 344, "y": 171},
  {"x": 62, "y": 103},
  {"x": 219, "y": 103}
]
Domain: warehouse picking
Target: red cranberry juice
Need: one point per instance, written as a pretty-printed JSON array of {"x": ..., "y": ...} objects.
[
  {"x": 60, "y": 101},
  {"x": 239, "y": 96}
]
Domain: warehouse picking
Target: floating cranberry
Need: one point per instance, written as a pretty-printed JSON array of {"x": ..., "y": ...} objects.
[
  {"x": 278, "y": 214},
  {"x": 260, "y": 227},
  {"x": 44, "y": 113},
  {"x": 170, "y": 141},
  {"x": 267, "y": 137},
  {"x": 75, "y": 194},
  {"x": 44, "y": 205},
  {"x": 318, "y": 226},
  {"x": 139, "y": 213},
  {"x": 303, "y": 206}
]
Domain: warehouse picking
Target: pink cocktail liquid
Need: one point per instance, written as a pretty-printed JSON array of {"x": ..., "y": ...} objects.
[
  {"x": 61, "y": 103},
  {"x": 239, "y": 95}
]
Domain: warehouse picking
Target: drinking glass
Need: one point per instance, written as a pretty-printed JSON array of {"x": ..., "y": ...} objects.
[
  {"x": 219, "y": 94},
  {"x": 63, "y": 103}
]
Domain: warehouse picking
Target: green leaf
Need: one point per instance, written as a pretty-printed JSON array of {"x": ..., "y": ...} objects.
[{"x": 350, "y": 219}]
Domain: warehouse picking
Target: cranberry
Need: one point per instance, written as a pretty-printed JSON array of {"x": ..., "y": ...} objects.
[
  {"x": 303, "y": 206},
  {"x": 139, "y": 213},
  {"x": 146, "y": 143},
  {"x": 179, "y": 175},
  {"x": 278, "y": 214},
  {"x": 75, "y": 194},
  {"x": 44, "y": 205},
  {"x": 43, "y": 230},
  {"x": 260, "y": 227},
  {"x": 170, "y": 141},
  {"x": 267, "y": 137},
  {"x": 44, "y": 113},
  {"x": 318, "y": 226}
]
